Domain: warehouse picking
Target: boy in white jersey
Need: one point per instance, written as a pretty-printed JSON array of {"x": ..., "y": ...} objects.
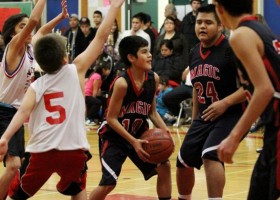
[
  {"x": 16, "y": 74},
  {"x": 57, "y": 107}
]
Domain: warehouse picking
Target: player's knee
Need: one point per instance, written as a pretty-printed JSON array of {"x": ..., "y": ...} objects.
[
  {"x": 164, "y": 167},
  {"x": 210, "y": 155},
  {"x": 13, "y": 164}
]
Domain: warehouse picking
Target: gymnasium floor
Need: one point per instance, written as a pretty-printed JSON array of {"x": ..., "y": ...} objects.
[{"x": 131, "y": 185}]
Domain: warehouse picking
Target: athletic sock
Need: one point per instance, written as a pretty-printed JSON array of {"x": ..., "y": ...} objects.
[{"x": 184, "y": 197}]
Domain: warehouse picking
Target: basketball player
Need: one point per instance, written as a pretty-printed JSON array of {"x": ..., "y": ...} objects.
[
  {"x": 131, "y": 102},
  {"x": 56, "y": 126},
  {"x": 259, "y": 51},
  {"x": 15, "y": 77},
  {"x": 216, "y": 106}
]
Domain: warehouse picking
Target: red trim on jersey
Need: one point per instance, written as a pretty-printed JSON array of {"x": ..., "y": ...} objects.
[
  {"x": 248, "y": 18},
  {"x": 137, "y": 92},
  {"x": 272, "y": 73},
  {"x": 204, "y": 56},
  {"x": 14, "y": 73}
]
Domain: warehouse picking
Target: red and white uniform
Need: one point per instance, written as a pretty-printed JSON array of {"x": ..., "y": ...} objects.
[
  {"x": 14, "y": 85},
  {"x": 57, "y": 121}
]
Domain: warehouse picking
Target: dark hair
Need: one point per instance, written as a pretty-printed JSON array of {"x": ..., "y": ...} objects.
[
  {"x": 167, "y": 43},
  {"x": 237, "y": 7},
  {"x": 163, "y": 80},
  {"x": 9, "y": 26},
  {"x": 170, "y": 18},
  {"x": 138, "y": 16},
  {"x": 131, "y": 45},
  {"x": 145, "y": 18},
  {"x": 194, "y": 0},
  {"x": 49, "y": 52},
  {"x": 102, "y": 63},
  {"x": 98, "y": 12},
  {"x": 210, "y": 8}
]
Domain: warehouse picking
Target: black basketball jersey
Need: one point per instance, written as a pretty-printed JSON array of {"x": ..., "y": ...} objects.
[
  {"x": 213, "y": 74},
  {"x": 136, "y": 105},
  {"x": 271, "y": 60}
]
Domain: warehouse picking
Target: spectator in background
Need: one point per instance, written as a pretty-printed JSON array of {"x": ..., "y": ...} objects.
[
  {"x": 111, "y": 42},
  {"x": 74, "y": 35},
  {"x": 173, "y": 98},
  {"x": 97, "y": 19},
  {"x": 188, "y": 24},
  {"x": 149, "y": 24},
  {"x": 87, "y": 30},
  {"x": 93, "y": 93},
  {"x": 167, "y": 63},
  {"x": 170, "y": 11},
  {"x": 180, "y": 45},
  {"x": 163, "y": 111},
  {"x": 145, "y": 18},
  {"x": 136, "y": 29}
]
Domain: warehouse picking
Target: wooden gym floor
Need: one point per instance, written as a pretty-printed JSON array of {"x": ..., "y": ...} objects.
[{"x": 131, "y": 185}]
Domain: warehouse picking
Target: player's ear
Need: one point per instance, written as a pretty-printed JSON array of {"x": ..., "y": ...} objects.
[
  {"x": 219, "y": 8},
  {"x": 131, "y": 57}
]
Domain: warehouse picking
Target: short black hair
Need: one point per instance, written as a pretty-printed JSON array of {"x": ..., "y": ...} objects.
[
  {"x": 49, "y": 52},
  {"x": 131, "y": 45},
  {"x": 98, "y": 12},
  {"x": 9, "y": 26},
  {"x": 237, "y": 7},
  {"x": 210, "y": 8},
  {"x": 167, "y": 43}
]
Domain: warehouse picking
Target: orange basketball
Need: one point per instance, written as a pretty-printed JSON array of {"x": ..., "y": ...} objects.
[{"x": 160, "y": 145}]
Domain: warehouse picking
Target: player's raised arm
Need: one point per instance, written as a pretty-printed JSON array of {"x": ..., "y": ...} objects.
[
  {"x": 18, "y": 42},
  {"x": 47, "y": 28},
  {"x": 85, "y": 59}
]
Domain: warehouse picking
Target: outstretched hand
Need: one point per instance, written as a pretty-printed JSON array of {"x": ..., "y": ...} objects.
[
  {"x": 117, "y": 3},
  {"x": 3, "y": 149},
  {"x": 64, "y": 11}
]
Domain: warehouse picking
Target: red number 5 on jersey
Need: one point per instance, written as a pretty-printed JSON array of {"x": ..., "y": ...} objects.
[{"x": 54, "y": 108}]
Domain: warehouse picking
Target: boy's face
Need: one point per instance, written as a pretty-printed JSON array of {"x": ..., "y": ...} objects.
[
  {"x": 85, "y": 28},
  {"x": 207, "y": 29},
  {"x": 143, "y": 60},
  {"x": 73, "y": 22},
  {"x": 165, "y": 51},
  {"x": 136, "y": 24},
  {"x": 20, "y": 26},
  {"x": 97, "y": 19},
  {"x": 195, "y": 5}
]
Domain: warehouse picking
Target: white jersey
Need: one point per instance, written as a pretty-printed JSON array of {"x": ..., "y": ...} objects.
[
  {"x": 58, "y": 119},
  {"x": 14, "y": 85}
]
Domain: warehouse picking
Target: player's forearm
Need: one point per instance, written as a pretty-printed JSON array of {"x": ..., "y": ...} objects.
[
  {"x": 257, "y": 105},
  {"x": 117, "y": 127},
  {"x": 106, "y": 26},
  {"x": 235, "y": 98},
  {"x": 47, "y": 28},
  {"x": 37, "y": 11}
]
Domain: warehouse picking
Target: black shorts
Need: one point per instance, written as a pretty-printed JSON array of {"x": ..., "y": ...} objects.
[
  {"x": 113, "y": 154},
  {"x": 202, "y": 140},
  {"x": 16, "y": 144},
  {"x": 266, "y": 173}
]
